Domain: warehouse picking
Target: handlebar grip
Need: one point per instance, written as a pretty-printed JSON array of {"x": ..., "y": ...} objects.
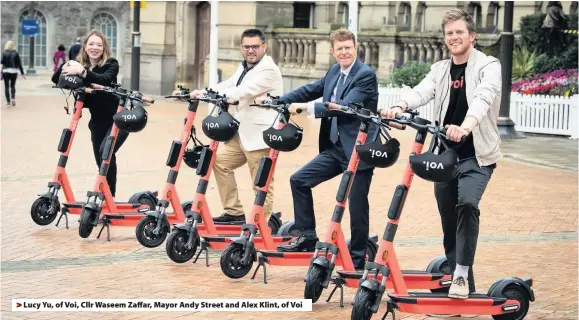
[
  {"x": 97, "y": 86},
  {"x": 236, "y": 102},
  {"x": 397, "y": 125},
  {"x": 147, "y": 99}
]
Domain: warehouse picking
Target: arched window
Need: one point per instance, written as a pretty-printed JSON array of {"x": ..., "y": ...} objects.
[
  {"x": 419, "y": 21},
  {"x": 405, "y": 15},
  {"x": 106, "y": 24},
  {"x": 39, "y": 39},
  {"x": 474, "y": 9},
  {"x": 492, "y": 17}
]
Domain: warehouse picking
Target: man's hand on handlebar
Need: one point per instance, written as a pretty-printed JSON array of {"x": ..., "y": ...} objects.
[
  {"x": 455, "y": 133},
  {"x": 390, "y": 112},
  {"x": 297, "y": 108}
]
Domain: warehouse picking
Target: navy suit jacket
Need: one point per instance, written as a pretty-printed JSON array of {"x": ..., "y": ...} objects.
[{"x": 361, "y": 86}]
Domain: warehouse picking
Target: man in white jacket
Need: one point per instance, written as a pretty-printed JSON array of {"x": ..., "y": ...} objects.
[
  {"x": 467, "y": 93},
  {"x": 256, "y": 75}
]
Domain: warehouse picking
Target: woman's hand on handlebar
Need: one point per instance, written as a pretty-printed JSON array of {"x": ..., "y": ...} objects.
[
  {"x": 390, "y": 112},
  {"x": 455, "y": 133}
]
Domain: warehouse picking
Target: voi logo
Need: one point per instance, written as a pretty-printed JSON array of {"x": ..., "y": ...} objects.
[
  {"x": 129, "y": 117},
  {"x": 433, "y": 165},
  {"x": 71, "y": 79},
  {"x": 378, "y": 154},
  {"x": 273, "y": 137},
  {"x": 212, "y": 125}
]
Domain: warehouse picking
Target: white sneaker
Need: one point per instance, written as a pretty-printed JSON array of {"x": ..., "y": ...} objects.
[{"x": 458, "y": 289}]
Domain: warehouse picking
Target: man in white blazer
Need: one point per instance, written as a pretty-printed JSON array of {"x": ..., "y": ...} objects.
[{"x": 256, "y": 75}]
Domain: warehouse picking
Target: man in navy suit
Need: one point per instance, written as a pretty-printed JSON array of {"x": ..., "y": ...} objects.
[{"x": 347, "y": 81}]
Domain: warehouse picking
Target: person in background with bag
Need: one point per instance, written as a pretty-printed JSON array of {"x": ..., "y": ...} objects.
[
  {"x": 11, "y": 64},
  {"x": 59, "y": 57}
]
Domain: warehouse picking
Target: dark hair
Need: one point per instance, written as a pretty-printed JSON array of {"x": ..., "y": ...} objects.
[
  {"x": 250, "y": 33},
  {"x": 61, "y": 48}
]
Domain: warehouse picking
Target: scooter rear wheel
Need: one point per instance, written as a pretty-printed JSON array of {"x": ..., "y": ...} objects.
[
  {"x": 516, "y": 293},
  {"x": 145, "y": 235},
  {"x": 314, "y": 280},
  {"x": 363, "y": 301},
  {"x": 231, "y": 264},
  {"x": 42, "y": 213},
  {"x": 85, "y": 225},
  {"x": 175, "y": 246}
]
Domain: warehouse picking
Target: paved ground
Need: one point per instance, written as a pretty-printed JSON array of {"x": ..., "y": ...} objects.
[{"x": 528, "y": 221}]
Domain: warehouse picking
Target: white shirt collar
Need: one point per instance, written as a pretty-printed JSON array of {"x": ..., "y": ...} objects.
[{"x": 347, "y": 71}]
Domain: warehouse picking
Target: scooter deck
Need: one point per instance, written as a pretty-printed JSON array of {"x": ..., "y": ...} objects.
[
  {"x": 415, "y": 279},
  {"x": 440, "y": 303}
]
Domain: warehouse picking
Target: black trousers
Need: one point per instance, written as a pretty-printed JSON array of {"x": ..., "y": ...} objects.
[
  {"x": 98, "y": 135},
  {"x": 9, "y": 85},
  {"x": 458, "y": 201},
  {"x": 324, "y": 167}
]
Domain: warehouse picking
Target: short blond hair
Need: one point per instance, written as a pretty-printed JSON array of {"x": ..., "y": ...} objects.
[
  {"x": 342, "y": 34},
  {"x": 10, "y": 46},
  {"x": 459, "y": 14}
]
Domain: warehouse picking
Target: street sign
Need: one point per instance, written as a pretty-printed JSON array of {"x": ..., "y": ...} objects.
[
  {"x": 29, "y": 27},
  {"x": 143, "y": 4}
]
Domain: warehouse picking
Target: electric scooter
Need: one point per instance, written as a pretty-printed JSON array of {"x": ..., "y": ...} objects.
[
  {"x": 100, "y": 205},
  {"x": 507, "y": 299},
  {"x": 436, "y": 277},
  {"x": 184, "y": 239},
  {"x": 46, "y": 207},
  {"x": 237, "y": 259}
]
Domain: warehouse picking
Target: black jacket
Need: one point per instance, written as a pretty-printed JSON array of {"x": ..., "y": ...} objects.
[
  {"x": 361, "y": 86},
  {"x": 74, "y": 50},
  {"x": 11, "y": 59},
  {"x": 102, "y": 105}
]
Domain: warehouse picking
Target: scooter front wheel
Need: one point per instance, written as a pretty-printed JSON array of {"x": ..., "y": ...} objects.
[
  {"x": 146, "y": 236},
  {"x": 176, "y": 246},
  {"x": 85, "y": 223},
  {"x": 42, "y": 212},
  {"x": 516, "y": 293},
  {"x": 314, "y": 280},
  {"x": 363, "y": 300},
  {"x": 232, "y": 264}
]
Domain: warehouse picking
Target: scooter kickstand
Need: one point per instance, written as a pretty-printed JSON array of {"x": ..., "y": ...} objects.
[
  {"x": 63, "y": 212},
  {"x": 106, "y": 223},
  {"x": 203, "y": 247},
  {"x": 389, "y": 309},
  {"x": 262, "y": 262},
  {"x": 339, "y": 282}
]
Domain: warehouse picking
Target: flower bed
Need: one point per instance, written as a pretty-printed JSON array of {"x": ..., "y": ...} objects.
[{"x": 555, "y": 83}]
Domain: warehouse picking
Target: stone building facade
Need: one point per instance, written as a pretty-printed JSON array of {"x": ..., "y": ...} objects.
[
  {"x": 61, "y": 22},
  {"x": 175, "y": 34}
]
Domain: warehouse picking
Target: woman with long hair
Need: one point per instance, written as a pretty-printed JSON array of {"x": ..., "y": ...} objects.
[
  {"x": 96, "y": 65},
  {"x": 11, "y": 64}
]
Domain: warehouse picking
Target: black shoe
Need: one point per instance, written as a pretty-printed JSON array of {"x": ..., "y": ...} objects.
[
  {"x": 301, "y": 244},
  {"x": 227, "y": 218}
]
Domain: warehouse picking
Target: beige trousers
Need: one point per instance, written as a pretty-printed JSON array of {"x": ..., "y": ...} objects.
[{"x": 231, "y": 156}]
